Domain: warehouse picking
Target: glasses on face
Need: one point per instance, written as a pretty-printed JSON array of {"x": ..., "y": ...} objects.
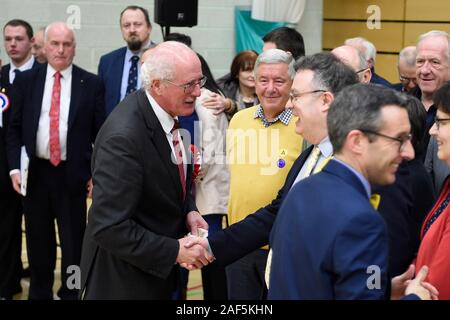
[
  {"x": 401, "y": 140},
  {"x": 190, "y": 86},
  {"x": 294, "y": 96},
  {"x": 406, "y": 80},
  {"x": 440, "y": 121},
  {"x": 362, "y": 70}
]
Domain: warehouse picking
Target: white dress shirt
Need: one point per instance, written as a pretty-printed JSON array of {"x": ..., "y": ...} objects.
[
  {"x": 167, "y": 123},
  {"x": 43, "y": 132}
]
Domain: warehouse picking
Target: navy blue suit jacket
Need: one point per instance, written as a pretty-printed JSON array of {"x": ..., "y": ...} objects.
[
  {"x": 326, "y": 236},
  {"x": 86, "y": 115},
  {"x": 110, "y": 70},
  {"x": 241, "y": 238}
]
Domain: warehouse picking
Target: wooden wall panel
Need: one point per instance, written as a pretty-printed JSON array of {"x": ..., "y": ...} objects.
[
  {"x": 357, "y": 9},
  {"x": 389, "y": 38},
  {"x": 414, "y": 30},
  {"x": 420, "y": 10},
  {"x": 386, "y": 66}
]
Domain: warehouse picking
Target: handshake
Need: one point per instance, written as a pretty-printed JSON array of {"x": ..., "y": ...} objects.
[{"x": 194, "y": 252}]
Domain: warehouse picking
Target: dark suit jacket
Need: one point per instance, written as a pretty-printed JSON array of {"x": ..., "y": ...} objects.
[
  {"x": 86, "y": 115},
  {"x": 325, "y": 237},
  {"x": 377, "y": 79},
  {"x": 137, "y": 214},
  {"x": 5, "y": 180},
  {"x": 403, "y": 206},
  {"x": 110, "y": 70},
  {"x": 232, "y": 243}
]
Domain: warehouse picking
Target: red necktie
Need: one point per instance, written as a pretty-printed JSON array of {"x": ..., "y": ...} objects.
[
  {"x": 179, "y": 155},
  {"x": 55, "y": 150}
]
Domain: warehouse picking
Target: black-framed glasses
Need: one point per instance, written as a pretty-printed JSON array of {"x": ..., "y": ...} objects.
[
  {"x": 190, "y": 86},
  {"x": 359, "y": 71},
  {"x": 295, "y": 96},
  {"x": 406, "y": 79},
  {"x": 401, "y": 140},
  {"x": 439, "y": 121}
]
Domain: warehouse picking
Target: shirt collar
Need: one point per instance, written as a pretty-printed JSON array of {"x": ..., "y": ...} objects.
[
  {"x": 363, "y": 180},
  {"x": 64, "y": 73},
  {"x": 164, "y": 118},
  {"x": 326, "y": 148},
  {"x": 284, "y": 117},
  {"x": 26, "y": 66}
]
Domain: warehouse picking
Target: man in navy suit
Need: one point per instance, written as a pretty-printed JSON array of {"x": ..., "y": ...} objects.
[
  {"x": 18, "y": 39},
  {"x": 119, "y": 70},
  {"x": 327, "y": 76},
  {"x": 57, "y": 110},
  {"x": 328, "y": 241}
]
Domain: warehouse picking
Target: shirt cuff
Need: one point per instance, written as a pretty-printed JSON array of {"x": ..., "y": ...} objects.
[{"x": 14, "y": 171}]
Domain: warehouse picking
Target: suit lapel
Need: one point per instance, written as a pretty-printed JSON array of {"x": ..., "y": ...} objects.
[
  {"x": 118, "y": 70},
  {"x": 38, "y": 95},
  {"x": 75, "y": 96},
  {"x": 337, "y": 169},
  {"x": 158, "y": 137},
  {"x": 296, "y": 167}
]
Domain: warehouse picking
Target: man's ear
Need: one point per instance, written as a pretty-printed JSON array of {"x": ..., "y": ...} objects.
[
  {"x": 157, "y": 86},
  {"x": 327, "y": 100},
  {"x": 356, "y": 141}
]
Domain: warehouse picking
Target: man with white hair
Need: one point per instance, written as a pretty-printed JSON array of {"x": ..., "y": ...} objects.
[
  {"x": 406, "y": 66},
  {"x": 369, "y": 52},
  {"x": 58, "y": 110},
  {"x": 142, "y": 204},
  {"x": 354, "y": 59}
]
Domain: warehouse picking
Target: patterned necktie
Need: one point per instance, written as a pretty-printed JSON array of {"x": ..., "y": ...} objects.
[
  {"x": 55, "y": 150},
  {"x": 313, "y": 159},
  {"x": 179, "y": 155},
  {"x": 132, "y": 75}
]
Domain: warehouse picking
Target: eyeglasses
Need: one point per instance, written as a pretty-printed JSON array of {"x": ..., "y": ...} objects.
[
  {"x": 406, "y": 80},
  {"x": 189, "y": 87},
  {"x": 439, "y": 121},
  {"x": 401, "y": 140},
  {"x": 359, "y": 71},
  {"x": 295, "y": 96}
]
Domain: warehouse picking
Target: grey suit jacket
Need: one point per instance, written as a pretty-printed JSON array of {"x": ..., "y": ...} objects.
[{"x": 438, "y": 169}]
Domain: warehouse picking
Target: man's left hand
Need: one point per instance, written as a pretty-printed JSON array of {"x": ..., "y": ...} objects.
[{"x": 194, "y": 220}]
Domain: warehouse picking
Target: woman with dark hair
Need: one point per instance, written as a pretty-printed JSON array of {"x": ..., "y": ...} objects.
[
  {"x": 239, "y": 84},
  {"x": 435, "y": 233}
]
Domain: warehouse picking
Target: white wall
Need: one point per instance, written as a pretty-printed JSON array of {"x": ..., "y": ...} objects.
[{"x": 99, "y": 31}]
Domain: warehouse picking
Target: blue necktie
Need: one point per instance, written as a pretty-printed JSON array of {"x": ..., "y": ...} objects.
[{"x": 132, "y": 75}]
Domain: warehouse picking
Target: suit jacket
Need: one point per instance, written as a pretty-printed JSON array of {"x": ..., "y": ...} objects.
[
  {"x": 110, "y": 70},
  {"x": 137, "y": 214},
  {"x": 86, "y": 115},
  {"x": 5, "y": 180},
  {"x": 377, "y": 79},
  {"x": 438, "y": 169},
  {"x": 232, "y": 243},
  {"x": 326, "y": 239}
]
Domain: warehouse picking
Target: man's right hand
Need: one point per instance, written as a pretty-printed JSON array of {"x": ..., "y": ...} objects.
[
  {"x": 192, "y": 257},
  {"x": 15, "y": 179}
]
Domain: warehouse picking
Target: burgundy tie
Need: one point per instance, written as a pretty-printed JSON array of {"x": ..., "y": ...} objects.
[
  {"x": 179, "y": 155},
  {"x": 55, "y": 149}
]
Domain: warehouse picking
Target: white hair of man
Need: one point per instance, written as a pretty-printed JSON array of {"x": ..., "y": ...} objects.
[
  {"x": 161, "y": 61},
  {"x": 369, "y": 52},
  {"x": 273, "y": 56},
  {"x": 436, "y": 33},
  {"x": 58, "y": 24},
  {"x": 408, "y": 56}
]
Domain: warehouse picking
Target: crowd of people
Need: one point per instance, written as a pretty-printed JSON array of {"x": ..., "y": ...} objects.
[{"x": 291, "y": 177}]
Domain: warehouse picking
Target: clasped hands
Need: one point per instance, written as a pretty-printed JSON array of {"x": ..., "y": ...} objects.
[{"x": 193, "y": 253}]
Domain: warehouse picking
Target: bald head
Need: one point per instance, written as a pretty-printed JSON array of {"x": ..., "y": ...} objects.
[
  {"x": 354, "y": 59},
  {"x": 164, "y": 61}
]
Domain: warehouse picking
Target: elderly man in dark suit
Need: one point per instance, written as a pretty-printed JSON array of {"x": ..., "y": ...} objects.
[
  {"x": 340, "y": 249},
  {"x": 141, "y": 200},
  {"x": 57, "y": 111},
  {"x": 119, "y": 69}
]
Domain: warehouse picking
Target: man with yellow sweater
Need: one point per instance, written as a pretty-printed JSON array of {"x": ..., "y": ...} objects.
[{"x": 261, "y": 148}]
